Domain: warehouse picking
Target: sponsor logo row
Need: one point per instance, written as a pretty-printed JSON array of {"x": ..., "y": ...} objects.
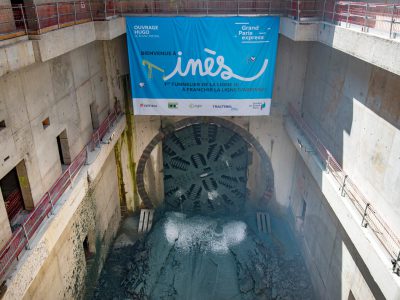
[{"x": 175, "y": 105}]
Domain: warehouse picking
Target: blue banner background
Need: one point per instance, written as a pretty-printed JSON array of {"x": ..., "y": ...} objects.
[{"x": 244, "y": 42}]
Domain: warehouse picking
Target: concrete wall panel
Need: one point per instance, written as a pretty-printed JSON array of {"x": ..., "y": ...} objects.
[
  {"x": 106, "y": 194},
  {"x": 50, "y": 273},
  {"x": 333, "y": 269},
  {"x": 80, "y": 66},
  {"x": 14, "y": 99},
  {"x": 272, "y": 136},
  {"x": 65, "y": 269},
  {"x": 36, "y": 84},
  {"x": 61, "y": 76},
  {"x": 85, "y": 97},
  {"x": 5, "y": 228},
  {"x": 95, "y": 58},
  {"x": 289, "y": 74},
  {"x": 68, "y": 115},
  {"x": 354, "y": 108},
  {"x": 60, "y": 89},
  {"x": 100, "y": 92}
]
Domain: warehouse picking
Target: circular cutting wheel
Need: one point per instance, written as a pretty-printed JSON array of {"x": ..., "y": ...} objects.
[{"x": 205, "y": 170}]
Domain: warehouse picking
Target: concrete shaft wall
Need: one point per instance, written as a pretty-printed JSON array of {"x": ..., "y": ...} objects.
[
  {"x": 62, "y": 89},
  {"x": 66, "y": 271},
  {"x": 348, "y": 102},
  {"x": 354, "y": 108},
  {"x": 117, "y": 67},
  {"x": 76, "y": 91},
  {"x": 351, "y": 106},
  {"x": 328, "y": 252},
  {"x": 332, "y": 260}
]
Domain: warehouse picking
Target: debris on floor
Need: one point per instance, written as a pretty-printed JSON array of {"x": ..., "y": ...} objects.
[{"x": 203, "y": 257}]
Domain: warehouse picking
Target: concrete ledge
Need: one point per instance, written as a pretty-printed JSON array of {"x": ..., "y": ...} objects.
[
  {"x": 299, "y": 32},
  {"x": 372, "y": 262},
  {"x": 21, "y": 52},
  {"x": 31, "y": 261},
  {"x": 61, "y": 41},
  {"x": 108, "y": 30},
  {"x": 4, "y": 43},
  {"x": 374, "y": 49},
  {"x": 16, "y": 56}
]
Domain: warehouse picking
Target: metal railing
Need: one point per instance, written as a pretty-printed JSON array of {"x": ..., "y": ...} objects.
[
  {"x": 14, "y": 204},
  {"x": 100, "y": 132},
  {"x": 304, "y": 10},
  {"x": 12, "y": 21},
  {"x": 22, "y": 235},
  {"x": 370, "y": 217},
  {"x": 382, "y": 18},
  {"x": 40, "y": 18}
]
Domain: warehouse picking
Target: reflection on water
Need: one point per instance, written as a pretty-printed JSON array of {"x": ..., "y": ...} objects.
[{"x": 203, "y": 257}]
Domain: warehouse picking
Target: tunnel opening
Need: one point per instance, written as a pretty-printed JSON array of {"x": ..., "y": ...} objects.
[
  {"x": 206, "y": 241},
  {"x": 205, "y": 170}
]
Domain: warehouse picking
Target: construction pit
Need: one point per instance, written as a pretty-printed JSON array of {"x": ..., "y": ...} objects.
[
  {"x": 104, "y": 195},
  {"x": 206, "y": 240}
]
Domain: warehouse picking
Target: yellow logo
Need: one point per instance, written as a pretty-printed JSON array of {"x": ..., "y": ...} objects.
[{"x": 150, "y": 66}]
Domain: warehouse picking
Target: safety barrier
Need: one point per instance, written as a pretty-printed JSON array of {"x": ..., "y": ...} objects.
[
  {"x": 100, "y": 132},
  {"x": 40, "y": 18},
  {"x": 202, "y": 7},
  {"x": 23, "y": 234},
  {"x": 370, "y": 217},
  {"x": 382, "y": 18},
  {"x": 12, "y": 21},
  {"x": 304, "y": 10},
  {"x": 13, "y": 204}
]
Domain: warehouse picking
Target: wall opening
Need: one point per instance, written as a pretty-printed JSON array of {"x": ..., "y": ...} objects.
[
  {"x": 94, "y": 116},
  {"x": 16, "y": 194},
  {"x": 351, "y": 296},
  {"x": 12, "y": 195},
  {"x": 46, "y": 123},
  {"x": 2, "y": 125},
  {"x": 89, "y": 245},
  {"x": 86, "y": 248},
  {"x": 303, "y": 209},
  {"x": 63, "y": 148},
  {"x": 17, "y": 2}
]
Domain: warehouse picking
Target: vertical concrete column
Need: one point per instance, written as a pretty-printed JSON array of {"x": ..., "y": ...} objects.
[
  {"x": 24, "y": 185},
  {"x": 147, "y": 127},
  {"x": 5, "y": 228},
  {"x": 112, "y": 56}
]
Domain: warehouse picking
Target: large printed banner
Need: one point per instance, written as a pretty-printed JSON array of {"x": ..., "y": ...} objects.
[{"x": 205, "y": 66}]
